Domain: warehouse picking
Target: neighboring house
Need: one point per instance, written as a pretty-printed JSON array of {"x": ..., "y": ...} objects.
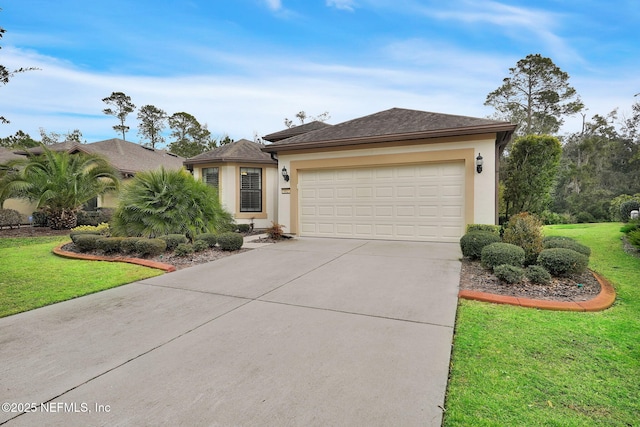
[
  {"x": 127, "y": 157},
  {"x": 398, "y": 174},
  {"x": 246, "y": 179}
]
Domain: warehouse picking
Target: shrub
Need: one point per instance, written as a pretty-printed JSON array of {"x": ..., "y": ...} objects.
[
  {"x": 275, "y": 231},
  {"x": 630, "y": 226},
  {"x": 563, "y": 262},
  {"x": 102, "y": 228},
  {"x": 183, "y": 249},
  {"x": 128, "y": 244},
  {"x": 525, "y": 230},
  {"x": 473, "y": 242},
  {"x": 502, "y": 253},
  {"x": 627, "y": 207},
  {"x": 76, "y": 234},
  {"x": 615, "y": 204},
  {"x": 548, "y": 218},
  {"x": 200, "y": 245},
  {"x": 634, "y": 238},
  {"x": 483, "y": 227},
  {"x": 230, "y": 241},
  {"x": 109, "y": 244},
  {"x": 244, "y": 228},
  {"x": 39, "y": 219},
  {"x": 509, "y": 273},
  {"x": 151, "y": 247},
  {"x": 9, "y": 218},
  {"x": 210, "y": 238},
  {"x": 87, "y": 242},
  {"x": 173, "y": 240},
  {"x": 537, "y": 274},
  {"x": 567, "y": 243},
  {"x": 585, "y": 218}
]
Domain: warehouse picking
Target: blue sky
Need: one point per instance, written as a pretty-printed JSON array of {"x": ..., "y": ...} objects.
[{"x": 242, "y": 66}]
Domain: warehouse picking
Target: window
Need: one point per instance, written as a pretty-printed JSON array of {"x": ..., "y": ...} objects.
[
  {"x": 210, "y": 177},
  {"x": 250, "y": 190}
]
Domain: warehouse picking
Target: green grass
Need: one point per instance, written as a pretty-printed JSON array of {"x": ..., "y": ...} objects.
[
  {"x": 515, "y": 366},
  {"x": 31, "y": 276}
]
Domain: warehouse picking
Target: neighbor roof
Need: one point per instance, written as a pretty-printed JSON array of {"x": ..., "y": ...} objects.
[
  {"x": 243, "y": 150},
  {"x": 396, "y": 124},
  {"x": 295, "y": 130},
  {"x": 128, "y": 157},
  {"x": 7, "y": 154}
]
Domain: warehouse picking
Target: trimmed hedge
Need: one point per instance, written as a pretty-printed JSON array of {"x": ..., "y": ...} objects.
[
  {"x": 128, "y": 245},
  {"x": 525, "y": 230},
  {"x": 151, "y": 247},
  {"x": 230, "y": 241},
  {"x": 473, "y": 242},
  {"x": 537, "y": 275},
  {"x": 563, "y": 262},
  {"x": 87, "y": 242},
  {"x": 173, "y": 240},
  {"x": 483, "y": 227},
  {"x": 509, "y": 273},
  {"x": 244, "y": 228},
  {"x": 200, "y": 245},
  {"x": 109, "y": 244},
  {"x": 184, "y": 249},
  {"x": 210, "y": 238},
  {"x": 497, "y": 254},
  {"x": 567, "y": 243},
  {"x": 76, "y": 234}
]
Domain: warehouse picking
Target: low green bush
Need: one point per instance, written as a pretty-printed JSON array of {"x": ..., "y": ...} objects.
[
  {"x": 497, "y": 254},
  {"x": 109, "y": 245},
  {"x": 567, "y": 243},
  {"x": 563, "y": 262},
  {"x": 76, "y": 234},
  {"x": 630, "y": 226},
  {"x": 128, "y": 245},
  {"x": 473, "y": 242},
  {"x": 509, "y": 273},
  {"x": 200, "y": 245},
  {"x": 538, "y": 275},
  {"x": 483, "y": 227},
  {"x": 230, "y": 241},
  {"x": 210, "y": 238},
  {"x": 244, "y": 228},
  {"x": 173, "y": 240},
  {"x": 525, "y": 230},
  {"x": 151, "y": 247},
  {"x": 634, "y": 238},
  {"x": 548, "y": 218},
  {"x": 183, "y": 249},
  {"x": 87, "y": 242},
  {"x": 585, "y": 218}
]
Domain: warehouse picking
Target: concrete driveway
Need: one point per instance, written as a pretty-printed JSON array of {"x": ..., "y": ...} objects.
[{"x": 309, "y": 332}]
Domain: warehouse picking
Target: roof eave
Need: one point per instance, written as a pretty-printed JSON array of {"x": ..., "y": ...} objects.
[
  {"x": 228, "y": 160},
  {"x": 471, "y": 130}
]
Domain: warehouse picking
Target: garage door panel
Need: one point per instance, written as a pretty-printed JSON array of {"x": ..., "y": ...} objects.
[{"x": 417, "y": 202}]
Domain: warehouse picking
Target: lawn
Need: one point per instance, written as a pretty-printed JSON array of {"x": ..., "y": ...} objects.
[
  {"x": 31, "y": 276},
  {"x": 515, "y": 366}
]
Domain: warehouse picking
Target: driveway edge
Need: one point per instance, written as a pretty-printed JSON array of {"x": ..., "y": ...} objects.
[{"x": 602, "y": 301}]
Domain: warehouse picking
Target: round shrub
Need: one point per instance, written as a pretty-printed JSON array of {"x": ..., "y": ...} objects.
[
  {"x": 567, "y": 243},
  {"x": 230, "y": 241},
  {"x": 87, "y": 242},
  {"x": 109, "y": 245},
  {"x": 210, "y": 238},
  {"x": 128, "y": 244},
  {"x": 151, "y": 247},
  {"x": 173, "y": 240},
  {"x": 497, "y": 254},
  {"x": 563, "y": 262},
  {"x": 483, "y": 227},
  {"x": 183, "y": 249},
  {"x": 627, "y": 207},
  {"x": 473, "y": 242},
  {"x": 244, "y": 228},
  {"x": 509, "y": 273},
  {"x": 525, "y": 230},
  {"x": 75, "y": 234},
  {"x": 200, "y": 245},
  {"x": 538, "y": 275},
  {"x": 585, "y": 218}
]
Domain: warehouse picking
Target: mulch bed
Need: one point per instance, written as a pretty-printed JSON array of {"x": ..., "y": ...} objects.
[{"x": 581, "y": 287}]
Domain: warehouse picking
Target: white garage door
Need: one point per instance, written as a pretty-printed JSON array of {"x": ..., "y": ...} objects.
[{"x": 417, "y": 202}]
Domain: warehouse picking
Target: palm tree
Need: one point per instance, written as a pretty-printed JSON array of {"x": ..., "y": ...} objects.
[
  {"x": 59, "y": 182},
  {"x": 161, "y": 202}
]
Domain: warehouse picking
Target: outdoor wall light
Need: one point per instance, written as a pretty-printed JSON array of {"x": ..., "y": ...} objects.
[
  {"x": 479, "y": 163},
  {"x": 285, "y": 174}
]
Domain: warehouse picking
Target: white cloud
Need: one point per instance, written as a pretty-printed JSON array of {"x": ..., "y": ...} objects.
[
  {"x": 342, "y": 4},
  {"x": 274, "y": 4}
]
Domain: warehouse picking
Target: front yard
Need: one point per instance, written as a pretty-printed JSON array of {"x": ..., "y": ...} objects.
[
  {"x": 31, "y": 276},
  {"x": 525, "y": 367}
]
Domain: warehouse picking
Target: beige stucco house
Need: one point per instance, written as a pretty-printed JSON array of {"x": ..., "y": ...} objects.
[
  {"x": 127, "y": 157},
  {"x": 398, "y": 174},
  {"x": 246, "y": 179}
]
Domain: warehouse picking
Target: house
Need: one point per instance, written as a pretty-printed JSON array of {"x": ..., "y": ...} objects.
[
  {"x": 246, "y": 179},
  {"x": 127, "y": 157},
  {"x": 398, "y": 174}
]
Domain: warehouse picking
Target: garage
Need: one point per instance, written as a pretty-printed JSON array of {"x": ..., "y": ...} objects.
[{"x": 422, "y": 202}]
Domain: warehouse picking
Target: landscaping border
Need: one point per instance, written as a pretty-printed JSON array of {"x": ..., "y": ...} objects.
[
  {"x": 602, "y": 301},
  {"x": 139, "y": 261}
]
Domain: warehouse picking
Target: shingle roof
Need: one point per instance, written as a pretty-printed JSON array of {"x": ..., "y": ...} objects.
[
  {"x": 7, "y": 154},
  {"x": 242, "y": 150},
  {"x": 296, "y": 130},
  {"x": 127, "y": 157},
  {"x": 395, "y": 124}
]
